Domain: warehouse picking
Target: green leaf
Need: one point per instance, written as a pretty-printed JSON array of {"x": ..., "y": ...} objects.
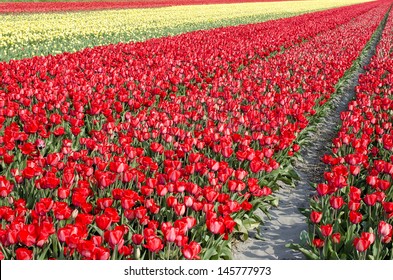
[
  {"x": 250, "y": 224},
  {"x": 240, "y": 228},
  {"x": 304, "y": 211},
  {"x": 294, "y": 174},
  {"x": 286, "y": 180},
  {"x": 274, "y": 202},
  {"x": 258, "y": 234},
  {"x": 226, "y": 253},
  {"x": 210, "y": 253},
  {"x": 307, "y": 253},
  {"x": 43, "y": 255},
  {"x": 334, "y": 255},
  {"x": 304, "y": 238}
]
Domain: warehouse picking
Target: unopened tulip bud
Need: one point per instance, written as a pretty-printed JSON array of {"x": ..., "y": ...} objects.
[{"x": 74, "y": 213}]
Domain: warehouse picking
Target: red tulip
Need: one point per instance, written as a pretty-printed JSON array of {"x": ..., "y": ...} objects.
[
  {"x": 180, "y": 209},
  {"x": 23, "y": 254},
  {"x": 154, "y": 244},
  {"x": 336, "y": 202},
  {"x": 370, "y": 199},
  {"x": 103, "y": 203},
  {"x": 62, "y": 211},
  {"x": 384, "y": 229},
  {"x": 322, "y": 189},
  {"x": 319, "y": 243},
  {"x": 388, "y": 207},
  {"x": 215, "y": 226},
  {"x": 86, "y": 248},
  {"x": 191, "y": 251},
  {"x": 256, "y": 165},
  {"x": 336, "y": 237},
  {"x": 361, "y": 244},
  {"x": 170, "y": 234},
  {"x": 315, "y": 217},
  {"x": 114, "y": 238},
  {"x": 101, "y": 253},
  {"x": 355, "y": 217},
  {"x": 103, "y": 222},
  {"x": 369, "y": 236},
  {"x": 137, "y": 239},
  {"x": 326, "y": 230}
]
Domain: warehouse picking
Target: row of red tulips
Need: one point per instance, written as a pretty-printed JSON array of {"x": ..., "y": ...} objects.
[
  {"x": 144, "y": 150},
  {"x": 351, "y": 215}
]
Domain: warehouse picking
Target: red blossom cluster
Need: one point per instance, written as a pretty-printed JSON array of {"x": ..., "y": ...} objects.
[
  {"x": 160, "y": 149},
  {"x": 356, "y": 199}
]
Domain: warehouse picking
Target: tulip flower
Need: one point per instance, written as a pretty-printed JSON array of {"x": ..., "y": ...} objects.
[{"x": 23, "y": 254}]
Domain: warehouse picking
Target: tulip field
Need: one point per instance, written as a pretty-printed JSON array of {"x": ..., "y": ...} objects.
[
  {"x": 132, "y": 132},
  {"x": 32, "y": 34}
]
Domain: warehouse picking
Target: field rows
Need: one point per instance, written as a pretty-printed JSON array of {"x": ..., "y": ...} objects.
[
  {"x": 37, "y": 34},
  {"x": 53, "y": 6},
  {"x": 352, "y": 215},
  {"x": 164, "y": 149}
]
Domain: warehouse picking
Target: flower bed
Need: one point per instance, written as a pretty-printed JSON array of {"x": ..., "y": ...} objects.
[{"x": 163, "y": 149}]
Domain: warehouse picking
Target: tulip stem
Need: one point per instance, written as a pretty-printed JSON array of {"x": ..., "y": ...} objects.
[
  {"x": 379, "y": 244},
  {"x": 114, "y": 254},
  {"x": 169, "y": 251}
]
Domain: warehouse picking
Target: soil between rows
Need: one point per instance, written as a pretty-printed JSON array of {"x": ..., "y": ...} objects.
[{"x": 287, "y": 221}]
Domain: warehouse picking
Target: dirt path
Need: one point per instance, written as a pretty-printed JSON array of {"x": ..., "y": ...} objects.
[{"x": 286, "y": 221}]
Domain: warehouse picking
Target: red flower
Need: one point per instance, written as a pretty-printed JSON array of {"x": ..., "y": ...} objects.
[
  {"x": 326, "y": 230},
  {"x": 353, "y": 206},
  {"x": 28, "y": 173},
  {"x": 361, "y": 244},
  {"x": 336, "y": 237},
  {"x": 315, "y": 217},
  {"x": 61, "y": 210},
  {"x": 63, "y": 193},
  {"x": 170, "y": 234},
  {"x": 191, "y": 251},
  {"x": 154, "y": 244},
  {"x": 256, "y": 165},
  {"x": 137, "y": 238},
  {"x": 86, "y": 248},
  {"x": 23, "y": 254},
  {"x": 388, "y": 207},
  {"x": 216, "y": 226},
  {"x": 246, "y": 206},
  {"x": 103, "y": 222},
  {"x": 180, "y": 209},
  {"x": 114, "y": 238},
  {"x": 370, "y": 199},
  {"x": 369, "y": 236},
  {"x": 384, "y": 229},
  {"x": 27, "y": 148},
  {"x": 336, "y": 202},
  {"x": 101, "y": 253},
  {"x": 319, "y": 243},
  {"x": 103, "y": 203},
  {"x": 355, "y": 217},
  {"x": 322, "y": 189}
]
